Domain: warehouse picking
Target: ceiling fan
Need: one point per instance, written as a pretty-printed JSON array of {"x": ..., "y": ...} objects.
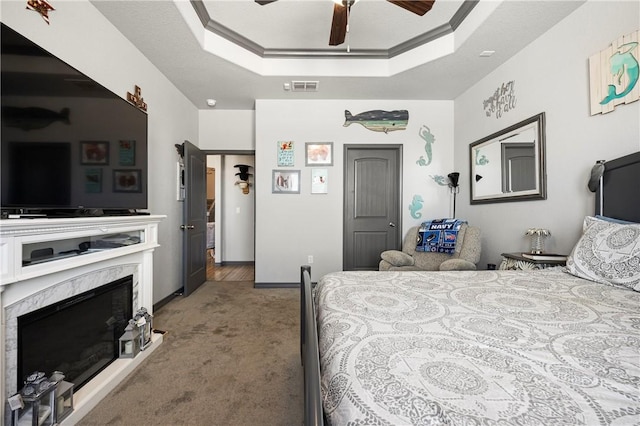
[{"x": 341, "y": 15}]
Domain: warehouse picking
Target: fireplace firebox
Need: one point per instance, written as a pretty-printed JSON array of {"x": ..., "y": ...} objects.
[{"x": 77, "y": 336}]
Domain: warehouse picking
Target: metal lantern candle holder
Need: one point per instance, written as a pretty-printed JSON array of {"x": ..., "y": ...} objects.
[
  {"x": 144, "y": 322},
  {"x": 538, "y": 236},
  {"x": 129, "y": 342}
]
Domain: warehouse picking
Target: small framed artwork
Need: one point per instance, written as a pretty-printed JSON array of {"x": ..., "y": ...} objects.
[
  {"x": 93, "y": 181},
  {"x": 127, "y": 180},
  {"x": 286, "y": 182},
  {"x": 319, "y": 181},
  {"x": 285, "y": 154},
  {"x": 94, "y": 153},
  {"x": 318, "y": 154},
  {"x": 127, "y": 153}
]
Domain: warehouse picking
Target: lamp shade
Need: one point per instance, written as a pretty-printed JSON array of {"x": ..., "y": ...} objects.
[{"x": 453, "y": 179}]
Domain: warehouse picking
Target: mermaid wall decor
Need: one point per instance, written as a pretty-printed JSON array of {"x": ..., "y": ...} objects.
[{"x": 617, "y": 82}]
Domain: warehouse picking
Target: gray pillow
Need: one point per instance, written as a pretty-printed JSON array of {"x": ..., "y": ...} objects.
[
  {"x": 608, "y": 253},
  {"x": 397, "y": 258}
]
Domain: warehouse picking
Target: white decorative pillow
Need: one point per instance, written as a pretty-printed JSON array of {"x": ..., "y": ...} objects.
[{"x": 608, "y": 253}]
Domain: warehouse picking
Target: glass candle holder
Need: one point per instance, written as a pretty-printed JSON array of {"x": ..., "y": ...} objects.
[{"x": 538, "y": 235}]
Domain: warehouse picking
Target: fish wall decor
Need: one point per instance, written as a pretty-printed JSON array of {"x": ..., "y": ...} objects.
[
  {"x": 378, "y": 120},
  {"x": 33, "y": 118}
]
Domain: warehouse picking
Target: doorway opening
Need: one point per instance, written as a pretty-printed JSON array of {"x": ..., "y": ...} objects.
[{"x": 230, "y": 217}]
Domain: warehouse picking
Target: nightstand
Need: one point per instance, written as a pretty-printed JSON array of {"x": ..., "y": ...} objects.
[{"x": 515, "y": 261}]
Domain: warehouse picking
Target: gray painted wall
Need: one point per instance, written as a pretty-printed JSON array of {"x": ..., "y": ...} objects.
[
  {"x": 291, "y": 227},
  {"x": 120, "y": 69},
  {"x": 551, "y": 75}
]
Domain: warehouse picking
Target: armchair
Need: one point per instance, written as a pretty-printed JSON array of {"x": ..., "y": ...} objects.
[{"x": 465, "y": 257}]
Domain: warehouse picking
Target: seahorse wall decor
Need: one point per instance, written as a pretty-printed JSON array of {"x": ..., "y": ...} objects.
[
  {"x": 440, "y": 180},
  {"x": 429, "y": 139},
  {"x": 617, "y": 84},
  {"x": 481, "y": 159},
  {"x": 416, "y": 204}
]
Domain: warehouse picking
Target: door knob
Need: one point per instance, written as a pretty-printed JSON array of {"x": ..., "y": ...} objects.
[
  {"x": 187, "y": 227},
  {"x": 391, "y": 224}
]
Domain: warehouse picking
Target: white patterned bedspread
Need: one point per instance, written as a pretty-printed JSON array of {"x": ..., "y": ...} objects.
[{"x": 477, "y": 348}]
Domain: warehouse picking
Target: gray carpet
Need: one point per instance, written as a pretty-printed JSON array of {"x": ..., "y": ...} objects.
[{"x": 230, "y": 357}]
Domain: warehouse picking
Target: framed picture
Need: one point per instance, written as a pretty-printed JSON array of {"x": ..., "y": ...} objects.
[
  {"x": 127, "y": 153},
  {"x": 127, "y": 180},
  {"x": 318, "y": 154},
  {"x": 319, "y": 181},
  {"x": 285, "y": 154},
  {"x": 94, "y": 153},
  {"x": 286, "y": 182},
  {"x": 93, "y": 181}
]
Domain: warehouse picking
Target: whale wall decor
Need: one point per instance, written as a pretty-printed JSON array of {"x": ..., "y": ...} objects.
[
  {"x": 613, "y": 74},
  {"x": 378, "y": 120}
]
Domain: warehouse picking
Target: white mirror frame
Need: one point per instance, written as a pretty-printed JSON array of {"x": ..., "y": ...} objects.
[{"x": 488, "y": 182}]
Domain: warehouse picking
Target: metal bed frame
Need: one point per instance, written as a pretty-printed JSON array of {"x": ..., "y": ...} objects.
[{"x": 619, "y": 183}]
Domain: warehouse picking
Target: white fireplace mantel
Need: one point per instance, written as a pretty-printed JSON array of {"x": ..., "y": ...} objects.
[{"x": 29, "y": 283}]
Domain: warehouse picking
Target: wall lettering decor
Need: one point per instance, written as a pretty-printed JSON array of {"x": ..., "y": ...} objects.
[
  {"x": 137, "y": 99},
  {"x": 613, "y": 74},
  {"x": 429, "y": 139},
  {"x": 503, "y": 100}
]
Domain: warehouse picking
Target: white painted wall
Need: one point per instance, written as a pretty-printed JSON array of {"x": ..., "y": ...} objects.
[
  {"x": 82, "y": 37},
  {"x": 226, "y": 129},
  {"x": 289, "y": 227},
  {"x": 551, "y": 75},
  {"x": 238, "y": 212},
  {"x": 231, "y": 130}
]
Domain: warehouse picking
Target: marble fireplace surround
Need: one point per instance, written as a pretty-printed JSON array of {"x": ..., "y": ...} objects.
[{"x": 24, "y": 289}]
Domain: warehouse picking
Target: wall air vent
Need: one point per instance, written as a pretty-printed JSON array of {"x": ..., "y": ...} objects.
[{"x": 304, "y": 86}]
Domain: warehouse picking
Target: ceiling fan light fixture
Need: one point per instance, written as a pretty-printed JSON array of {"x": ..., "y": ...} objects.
[{"x": 345, "y": 2}]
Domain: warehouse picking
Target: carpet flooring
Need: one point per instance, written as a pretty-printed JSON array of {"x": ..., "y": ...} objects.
[{"x": 230, "y": 356}]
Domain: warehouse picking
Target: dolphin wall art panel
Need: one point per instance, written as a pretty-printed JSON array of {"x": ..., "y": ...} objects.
[{"x": 613, "y": 74}]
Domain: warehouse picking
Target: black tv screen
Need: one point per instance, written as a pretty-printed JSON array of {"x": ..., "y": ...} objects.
[{"x": 68, "y": 143}]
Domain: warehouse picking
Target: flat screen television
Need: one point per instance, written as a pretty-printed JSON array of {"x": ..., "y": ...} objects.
[{"x": 69, "y": 145}]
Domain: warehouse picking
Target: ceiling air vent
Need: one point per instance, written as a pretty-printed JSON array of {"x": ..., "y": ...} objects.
[{"x": 304, "y": 86}]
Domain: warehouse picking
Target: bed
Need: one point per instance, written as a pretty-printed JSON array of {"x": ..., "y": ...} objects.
[{"x": 556, "y": 346}]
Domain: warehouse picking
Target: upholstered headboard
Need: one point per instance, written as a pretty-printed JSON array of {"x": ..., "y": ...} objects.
[{"x": 619, "y": 193}]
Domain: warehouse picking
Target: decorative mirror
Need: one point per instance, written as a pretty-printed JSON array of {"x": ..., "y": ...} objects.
[{"x": 509, "y": 165}]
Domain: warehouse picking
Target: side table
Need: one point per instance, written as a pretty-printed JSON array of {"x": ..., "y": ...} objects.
[{"x": 515, "y": 261}]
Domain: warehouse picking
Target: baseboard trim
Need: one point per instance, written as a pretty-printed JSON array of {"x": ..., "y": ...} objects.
[
  {"x": 276, "y": 285},
  {"x": 236, "y": 262},
  {"x": 161, "y": 303}
]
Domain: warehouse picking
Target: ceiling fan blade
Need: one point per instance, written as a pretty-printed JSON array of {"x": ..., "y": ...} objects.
[
  {"x": 263, "y": 2},
  {"x": 338, "y": 25},
  {"x": 419, "y": 7}
]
